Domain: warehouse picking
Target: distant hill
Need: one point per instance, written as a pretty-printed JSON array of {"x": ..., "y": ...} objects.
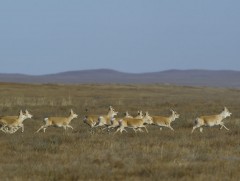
[{"x": 220, "y": 78}]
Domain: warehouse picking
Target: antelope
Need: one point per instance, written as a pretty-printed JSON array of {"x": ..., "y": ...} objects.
[
  {"x": 7, "y": 120},
  {"x": 96, "y": 120},
  {"x": 139, "y": 115},
  {"x": 165, "y": 121},
  {"x": 134, "y": 123},
  {"x": 212, "y": 120},
  {"x": 127, "y": 115},
  {"x": 59, "y": 121},
  {"x": 10, "y": 124},
  {"x": 115, "y": 123},
  {"x": 90, "y": 120}
]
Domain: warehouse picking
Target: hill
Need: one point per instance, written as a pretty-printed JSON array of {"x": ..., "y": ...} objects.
[{"x": 219, "y": 78}]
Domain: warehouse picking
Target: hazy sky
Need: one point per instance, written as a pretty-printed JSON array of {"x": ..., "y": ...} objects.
[{"x": 49, "y": 36}]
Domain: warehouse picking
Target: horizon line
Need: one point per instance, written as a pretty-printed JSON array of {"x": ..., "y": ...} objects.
[{"x": 114, "y": 70}]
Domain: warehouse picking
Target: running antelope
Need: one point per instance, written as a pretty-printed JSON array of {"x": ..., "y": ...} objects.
[
  {"x": 139, "y": 115},
  {"x": 90, "y": 120},
  {"x": 127, "y": 115},
  {"x": 58, "y": 121},
  {"x": 165, "y": 121},
  {"x": 212, "y": 120},
  {"x": 115, "y": 123},
  {"x": 10, "y": 124},
  {"x": 96, "y": 120},
  {"x": 134, "y": 123}
]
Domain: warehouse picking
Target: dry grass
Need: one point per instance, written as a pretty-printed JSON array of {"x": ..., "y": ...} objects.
[{"x": 158, "y": 155}]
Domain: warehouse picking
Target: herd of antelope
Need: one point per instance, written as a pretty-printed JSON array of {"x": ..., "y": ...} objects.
[{"x": 10, "y": 124}]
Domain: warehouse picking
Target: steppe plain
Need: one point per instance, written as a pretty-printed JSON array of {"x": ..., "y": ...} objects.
[{"x": 157, "y": 155}]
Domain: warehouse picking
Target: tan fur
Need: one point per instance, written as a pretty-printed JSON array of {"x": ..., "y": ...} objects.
[
  {"x": 165, "y": 121},
  {"x": 212, "y": 120},
  {"x": 93, "y": 120},
  {"x": 10, "y": 124},
  {"x": 58, "y": 121},
  {"x": 134, "y": 123},
  {"x": 139, "y": 115},
  {"x": 105, "y": 120},
  {"x": 8, "y": 119},
  {"x": 127, "y": 115},
  {"x": 115, "y": 122}
]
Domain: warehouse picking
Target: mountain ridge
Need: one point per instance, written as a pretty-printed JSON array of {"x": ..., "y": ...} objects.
[{"x": 190, "y": 77}]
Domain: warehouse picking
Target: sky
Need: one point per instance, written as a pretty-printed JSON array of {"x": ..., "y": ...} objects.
[{"x": 50, "y": 36}]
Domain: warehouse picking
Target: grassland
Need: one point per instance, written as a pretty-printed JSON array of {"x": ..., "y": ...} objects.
[{"x": 158, "y": 155}]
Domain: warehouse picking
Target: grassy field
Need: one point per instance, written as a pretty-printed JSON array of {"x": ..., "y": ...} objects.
[{"x": 158, "y": 155}]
